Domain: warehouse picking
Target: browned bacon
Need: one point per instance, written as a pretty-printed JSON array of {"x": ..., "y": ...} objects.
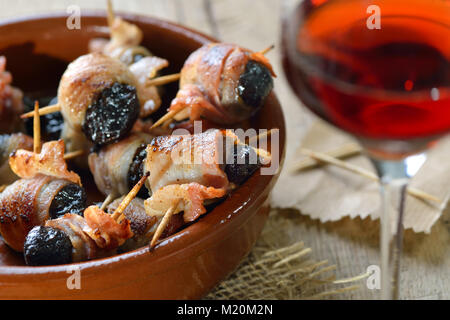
[
  {"x": 208, "y": 83},
  {"x": 25, "y": 204},
  {"x": 111, "y": 165},
  {"x": 143, "y": 225},
  {"x": 95, "y": 235},
  {"x": 188, "y": 198},
  {"x": 50, "y": 161},
  {"x": 144, "y": 70},
  {"x": 104, "y": 230},
  {"x": 83, "y": 79},
  {"x": 125, "y": 38},
  {"x": 187, "y": 158},
  {"x": 73, "y": 225}
]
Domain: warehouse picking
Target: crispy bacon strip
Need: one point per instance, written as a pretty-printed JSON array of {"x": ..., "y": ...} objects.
[
  {"x": 50, "y": 161},
  {"x": 84, "y": 248},
  {"x": 180, "y": 159},
  {"x": 20, "y": 209},
  {"x": 143, "y": 225},
  {"x": 208, "y": 83},
  {"x": 104, "y": 230},
  {"x": 194, "y": 104},
  {"x": 83, "y": 79},
  {"x": 110, "y": 166},
  {"x": 124, "y": 33},
  {"x": 148, "y": 67},
  {"x": 144, "y": 70},
  {"x": 201, "y": 77},
  {"x": 190, "y": 199}
]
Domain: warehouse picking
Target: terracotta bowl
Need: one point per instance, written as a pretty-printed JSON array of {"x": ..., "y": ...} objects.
[{"x": 189, "y": 263}]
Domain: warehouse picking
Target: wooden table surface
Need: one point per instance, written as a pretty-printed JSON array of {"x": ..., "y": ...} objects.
[{"x": 350, "y": 244}]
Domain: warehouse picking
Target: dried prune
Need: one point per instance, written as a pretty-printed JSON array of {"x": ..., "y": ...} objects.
[
  {"x": 241, "y": 164},
  {"x": 112, "y": 114},
  {"x": 70, "y": 199},
  {"x": 51, "y": 124},
  {"x": 136, "y": 170},
  {"x": 255, "y": 84},
  {"x": 47, "y": 246}
]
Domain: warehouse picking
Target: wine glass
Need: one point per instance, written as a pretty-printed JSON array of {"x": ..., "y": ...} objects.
[{"x": 382, "y": 73}]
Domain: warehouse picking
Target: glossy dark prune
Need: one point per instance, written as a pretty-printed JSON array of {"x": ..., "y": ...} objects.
[
  {"x": 255, "y": 84},
  {"x": 136, "y": 170},
  {"x": 51, "y": 124},
  {"x": 47, "y": 246},
  {"x": 112, "y": 114},
  {"x": 70, "y": 199},
  {"x": 242, "y": 164}
]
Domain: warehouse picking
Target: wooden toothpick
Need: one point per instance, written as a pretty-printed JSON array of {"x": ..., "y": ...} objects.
[
  {"x": 266, "y": 50},
  {"x": 42, "y": 111},
  {"x": 73, "y": 154},
  {"x": 163, "y": 80},
  {"x": 163, "y": 224},
  {"x": 129, "y": 197},
  {"x": 111, "y": 15}
]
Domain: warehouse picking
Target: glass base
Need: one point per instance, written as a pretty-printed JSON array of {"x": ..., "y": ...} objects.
[{"x": 394, "y": 177}]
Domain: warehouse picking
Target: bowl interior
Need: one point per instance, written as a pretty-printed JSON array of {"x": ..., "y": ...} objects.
[{"x": 38, "y": 50}]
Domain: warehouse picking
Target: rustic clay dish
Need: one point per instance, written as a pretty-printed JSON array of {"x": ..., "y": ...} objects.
[{"x": 189, "y": 263}]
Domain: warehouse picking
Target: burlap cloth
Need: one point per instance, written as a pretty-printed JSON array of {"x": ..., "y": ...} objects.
[{"x": 281, "y": 266}]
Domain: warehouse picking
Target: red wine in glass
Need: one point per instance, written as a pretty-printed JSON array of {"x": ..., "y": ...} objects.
[
  {"x": 379, "y": 70},
  {"x": 385, "y": 84}
]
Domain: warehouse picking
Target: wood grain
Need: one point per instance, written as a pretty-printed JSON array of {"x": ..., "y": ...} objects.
[{"x": 350, "y": 244}]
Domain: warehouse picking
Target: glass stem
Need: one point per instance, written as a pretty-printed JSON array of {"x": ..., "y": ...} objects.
[{"x": 394, "y": 181}]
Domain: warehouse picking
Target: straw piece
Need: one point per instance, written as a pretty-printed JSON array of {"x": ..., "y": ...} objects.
[
  {"x": 292, "y": 256},
  {"x": 333, "y": 292},
  {"x": 345, "y": 151},
  {"x": 295, "y": 246},
  {"x": 353, "y": 279},
  {"x": 363, "y": 172}
]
